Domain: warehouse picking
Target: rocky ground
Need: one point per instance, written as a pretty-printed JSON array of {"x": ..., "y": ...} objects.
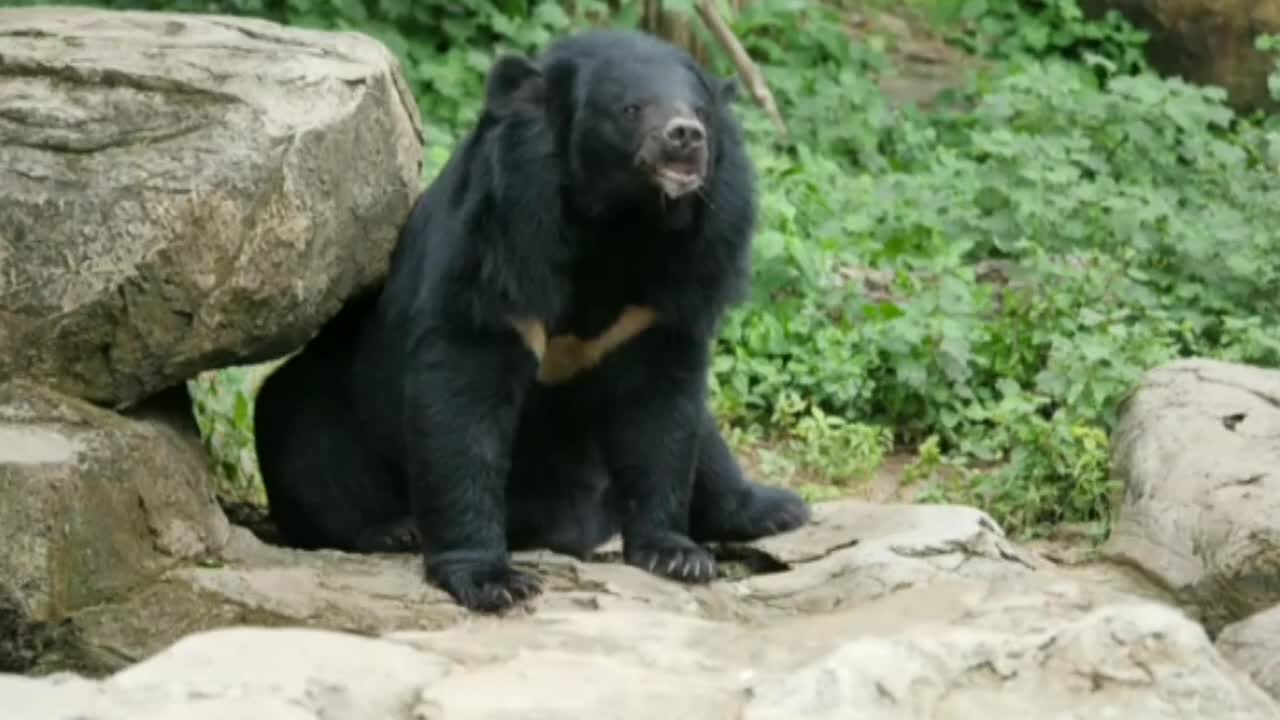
[{"x": 120, "y": 567}]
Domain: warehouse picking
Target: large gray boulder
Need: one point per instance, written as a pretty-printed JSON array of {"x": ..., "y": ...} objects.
[
  {"x": 1197, "y": 449},
  {"x": 183, "y": 192},
  {"x": 94, "y": 506}
]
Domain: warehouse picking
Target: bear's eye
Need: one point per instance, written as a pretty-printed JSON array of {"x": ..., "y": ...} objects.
[{"x": 631, "y": 110}]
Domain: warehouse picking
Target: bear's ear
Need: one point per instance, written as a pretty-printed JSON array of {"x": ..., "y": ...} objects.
[
  {"x": 727, "y": 90},
  {"x": 513, "y": 82},
  {"x": 562, "y": 75}
]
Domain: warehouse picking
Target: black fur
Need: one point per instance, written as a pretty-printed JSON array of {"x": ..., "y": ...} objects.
[{"x": 414, "y": 419}]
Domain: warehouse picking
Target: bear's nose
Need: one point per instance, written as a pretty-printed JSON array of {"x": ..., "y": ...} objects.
[{"x": 684, "y": 133}]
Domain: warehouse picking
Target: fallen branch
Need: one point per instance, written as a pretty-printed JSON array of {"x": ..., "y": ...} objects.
[{"x": 747, "y": 68}]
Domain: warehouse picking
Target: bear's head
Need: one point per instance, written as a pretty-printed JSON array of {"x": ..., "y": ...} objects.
[{"x": 638, "y": 122}]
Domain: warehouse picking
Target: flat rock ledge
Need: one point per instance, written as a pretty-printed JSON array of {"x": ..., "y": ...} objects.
[
  {"x": 897, "y": 611},
  {"x": 1032, "y": 646},
  {"x": 852, "y": 553}
]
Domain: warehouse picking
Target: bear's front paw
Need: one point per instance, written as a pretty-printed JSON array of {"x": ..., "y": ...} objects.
[
  {"x": 671, "y": 556},
  {"x": 481, "y": 581},
  {"x": 757, "y": 511}
]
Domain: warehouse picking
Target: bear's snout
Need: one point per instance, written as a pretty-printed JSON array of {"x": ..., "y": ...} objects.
[
  {"x": 675, "y": 149},
  {"x": 684, "y": 134}
]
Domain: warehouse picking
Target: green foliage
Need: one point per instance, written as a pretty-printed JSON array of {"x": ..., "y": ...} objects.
[
  {"x": 981, "y": 285},
  {"x": 1131, "y": 214},
  {"x": 1020, "y": 29},
  {"x": 809, "y": 448},
  {"x": 223, "y": 405},
  {"x": 1271, "y": 44}
]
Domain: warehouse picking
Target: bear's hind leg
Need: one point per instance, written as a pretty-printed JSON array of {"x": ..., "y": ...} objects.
[
  {"x": 557, "y": 494},
  {"x": 323, "y": 491},
  {"x": 728, "y": 507}
]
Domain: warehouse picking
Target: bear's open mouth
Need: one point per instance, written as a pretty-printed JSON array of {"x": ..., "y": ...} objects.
[{"x": 677, "y": 181}]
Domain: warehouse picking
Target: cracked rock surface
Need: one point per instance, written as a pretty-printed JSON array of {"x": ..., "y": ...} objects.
[
  {"x": 115, "y": 548},
  {"x": 1197, "y": 449},
  {"x": 890, "y": 611},
  {"x": 853, "y": 553},
  {"x": 1253, "y": 645},
  {"x": 1031, "y": 646},
  {"x": 183, "y": 192}
]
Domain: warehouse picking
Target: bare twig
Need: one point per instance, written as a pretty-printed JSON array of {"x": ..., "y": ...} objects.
[
  {"x": 751, "y": 74},
  {"x": 651, "y": 16}
]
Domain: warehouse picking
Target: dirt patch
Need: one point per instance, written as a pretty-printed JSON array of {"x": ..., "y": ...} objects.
[{"x": 924, "y": 65}]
